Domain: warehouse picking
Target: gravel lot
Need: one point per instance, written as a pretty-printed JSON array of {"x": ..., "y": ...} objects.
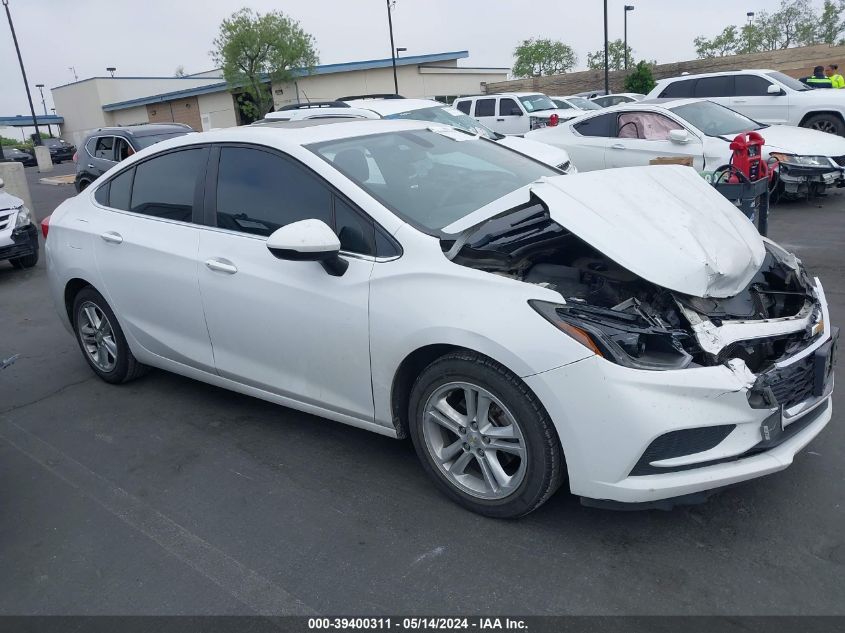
[{"x": 167, "y": 496}]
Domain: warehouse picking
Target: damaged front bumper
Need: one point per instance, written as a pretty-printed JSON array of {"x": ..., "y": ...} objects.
[
  {"x": 797, "y": 178},
  {"x": 654, "y": 435}
]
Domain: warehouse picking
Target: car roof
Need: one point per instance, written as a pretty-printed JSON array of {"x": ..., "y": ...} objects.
[
  {"x": 386, "y": 107},
  {"x": 716, "y": 74},
  {"x": 145, "y": 129}
]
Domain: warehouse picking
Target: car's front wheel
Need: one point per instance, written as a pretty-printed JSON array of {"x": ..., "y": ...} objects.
[
  {"x": 25, "y": 261},
  {"x": 826, "y": 123},
  {"x": 483, "y": 436},
  {"x": 101, "y": 339}
]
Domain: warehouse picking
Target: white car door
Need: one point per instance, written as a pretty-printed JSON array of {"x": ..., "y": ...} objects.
[
  {"x": 511, "y": 119},
  {"x": 485, "y": 111},
  {"x": 643, "y": 136},
  {"x": 286, "y": 327},
  {"x": 752, "y": 98},
  {"x": 586, "y": 140},
  {"x": 145, "y": 245}
]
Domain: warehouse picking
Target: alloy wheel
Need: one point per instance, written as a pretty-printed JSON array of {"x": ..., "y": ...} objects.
[
  {"x": 825, "y": 125},
  {"x": 97, "y": 336},
  {"x": 474, "y": 440}
]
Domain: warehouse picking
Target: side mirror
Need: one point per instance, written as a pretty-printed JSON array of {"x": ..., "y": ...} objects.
[
  {"x": 679, "y": 136},
  {"x": 516, "y": 112},
  {"x": 774, "y": 90},
  {"x": 308, "y": 241}
]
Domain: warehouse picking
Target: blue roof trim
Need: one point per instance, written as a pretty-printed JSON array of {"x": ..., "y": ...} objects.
[
  {"x": 25, "y": 120},
  {"x": 370, "y": 64}
]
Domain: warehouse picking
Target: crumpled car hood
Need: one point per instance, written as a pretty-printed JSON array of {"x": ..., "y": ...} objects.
[
  {"x": 663, "y": 223},
  {"x": 801, "y": 141}
]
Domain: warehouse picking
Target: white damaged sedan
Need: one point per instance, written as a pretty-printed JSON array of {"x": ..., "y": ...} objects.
[{"x": 627, "y": 334}]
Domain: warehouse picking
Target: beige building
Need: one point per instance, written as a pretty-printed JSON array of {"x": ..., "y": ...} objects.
[{"x": 204, "y": 101}]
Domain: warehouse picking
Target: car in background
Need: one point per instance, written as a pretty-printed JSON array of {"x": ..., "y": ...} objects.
[
  {"x": 106, "y": 147},
  {"x": 512, "y": 113},
  {"x": 316, "y": 110},
  {"x": 590, "y": 94},
  {"x": 18, "y": 233},
  {"x": 767, "y": 96},
  {"x": 617, "y": 98},
  {"x": 699, "y": 130},
  {"x": 436, "y": 112},
  {"x": 27, "y": 159},
  {"x": 574, "y": 106},
  {"x": 60, "y": 149},
  {"x": 627, "y": 333}
]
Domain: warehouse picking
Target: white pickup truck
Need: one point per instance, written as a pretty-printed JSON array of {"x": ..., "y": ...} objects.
[{"x": 766, "y": 96}]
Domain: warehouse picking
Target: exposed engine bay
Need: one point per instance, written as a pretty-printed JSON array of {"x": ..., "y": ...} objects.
[{"x": 632, "y": 321}]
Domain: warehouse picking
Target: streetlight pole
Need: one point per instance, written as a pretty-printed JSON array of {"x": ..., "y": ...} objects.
[
  {"x": 392, "y": 47},
  {"x": 606, "y": 75},
  {"x": 628, "y": 7},
  {"x": 44, "y": 105},
  {"x": 37, "y": 139}
]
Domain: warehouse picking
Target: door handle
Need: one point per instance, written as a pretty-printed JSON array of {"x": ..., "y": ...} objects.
[
  {"x": 221, "y": 266},
  {"x": 740, "y": 100},
  {"x": 112, "y": 237},
  {"x": 500, "y": 120},
  {"x": 90, "y": 166},
  {"x": 618, "y": 146}
]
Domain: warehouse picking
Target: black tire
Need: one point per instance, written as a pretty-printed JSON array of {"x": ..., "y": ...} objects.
[
  {"x": 825, "y": 123},
  {"x": 126, "y": 367},
  {"x": 545, "y": 467},
  {"x": 82, "y": 185},
  {"x": 25, "y": 261}
]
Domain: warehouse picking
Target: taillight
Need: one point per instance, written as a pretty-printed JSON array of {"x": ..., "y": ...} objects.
[
  {"x": 75, "y": 156},
  {"x": 554, "y": 120},
  {"x": 45, "y": 226}
]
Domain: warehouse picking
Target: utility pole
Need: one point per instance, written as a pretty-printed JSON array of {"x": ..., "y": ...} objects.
[
  {"x": 392, "y": 46},
  {"x": 37, "y": 139},
  {"x": 44, "y": 105},
  {"x": 628, "y": 7},
  {"x": 606, "y": 61}
]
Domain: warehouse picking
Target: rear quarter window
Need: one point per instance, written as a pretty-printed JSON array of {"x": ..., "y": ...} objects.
[
  {"x": 678, "y": 89},
  {"x": 463, "y": 106},
  {"x": 602, "y": 125}
]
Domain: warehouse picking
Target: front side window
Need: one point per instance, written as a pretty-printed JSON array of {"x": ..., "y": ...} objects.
[
  {"x": 485, "y": 107},
  {"x": 104, "y": 148},
  {"x": 258, "y": 192},
  {"x": 165, "y": 185},
  {"x": 431, "y": 178},
  {"x": 122, "y": 149},
  {"x": 648, "y": 126},
  {"x": 751, "y": 86},
  {"x": 508, "y": 107}
]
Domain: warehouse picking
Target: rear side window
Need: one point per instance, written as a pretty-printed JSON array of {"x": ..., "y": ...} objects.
[
  {"x": 463, "y": 106},
  {"x": 721, "y": 86},
  {"x": 678, "y": 89},
  {"x": 508, "y": 107},
  {"x": 165, "y": 186},
  {"x": 602, "y": 125},
  {"x": 104, "y": 148},
  {"x": 258, "y": 192},
  {"x": 485, "y": 107},
  {"x": 751, "y": 86}
]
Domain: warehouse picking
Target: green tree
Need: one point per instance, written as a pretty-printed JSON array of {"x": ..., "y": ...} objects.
[
  {"x": 640, "y": 79},
  {"x": 726, "y": 43},
  {"x": 543, "y": 57},
  {"x": 831, "y": 23},
  {"x": 615, "y": 56},
  {"x": 180, "y": 71},
  {"x": 254, "y": 49}
]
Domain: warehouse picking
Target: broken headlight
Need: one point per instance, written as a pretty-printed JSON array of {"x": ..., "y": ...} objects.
[
  {"x": 24, "y": 217},
  {"x": 625, "y": 338},
  {"x": 804, "y": 161}
]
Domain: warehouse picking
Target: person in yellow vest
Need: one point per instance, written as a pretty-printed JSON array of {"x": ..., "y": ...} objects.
[{"x": 836, "y": 80}]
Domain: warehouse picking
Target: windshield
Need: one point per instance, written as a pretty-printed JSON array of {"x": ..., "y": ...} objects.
[
  {"x": 715, "y": 120},
  {"x": 431, "y": 178},
  {"x": 152, "y": 139},
  {"x": 449, "y": 116},
  {"x": 583, "y": 104},
  {"x": 534, "y": 103},
  {"x": 788, "y": 81}
]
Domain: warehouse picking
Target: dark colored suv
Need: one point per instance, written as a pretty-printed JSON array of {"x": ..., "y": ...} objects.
[
  {"x": 59, "y": 148},
  {"x": 106, "y": 147}
]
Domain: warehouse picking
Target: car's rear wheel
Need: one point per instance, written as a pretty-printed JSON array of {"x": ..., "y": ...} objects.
[
  {"x": 82, "y": 185},
  {"x": 483, "y": 436},
  {"x": 826, "y": 123},
  {"x": 26, "y": 261},
  {"x": 101, "y": 339}
]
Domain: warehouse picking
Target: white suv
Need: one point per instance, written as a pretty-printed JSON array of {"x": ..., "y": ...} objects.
[
  {"x": 767, "y": 96},
  {"x": 512, "y": 112}
]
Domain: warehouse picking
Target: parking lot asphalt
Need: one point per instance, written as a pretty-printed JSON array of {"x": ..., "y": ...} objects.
[{"x": 168, "y": 496}]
